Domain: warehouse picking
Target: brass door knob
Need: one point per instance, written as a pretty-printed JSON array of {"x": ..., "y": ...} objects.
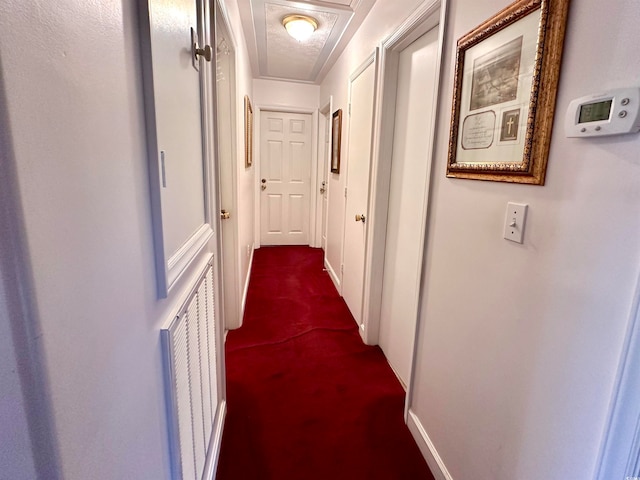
[
  {"x": 360, "y": 218},
  {"x": 206, "y": 52},
  {"x": 224, "y": 215}
]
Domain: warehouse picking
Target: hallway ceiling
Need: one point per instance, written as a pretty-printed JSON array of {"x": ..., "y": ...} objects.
[{"x": 275, "y": 55}]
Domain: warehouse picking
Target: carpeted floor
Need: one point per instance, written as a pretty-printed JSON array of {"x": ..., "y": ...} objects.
[{"x": 306, "y": 398}]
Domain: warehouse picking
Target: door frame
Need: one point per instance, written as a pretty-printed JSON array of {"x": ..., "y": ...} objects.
[
  {"x": 313, "y": 181},
  {"x": 324, "y": 119},
  {"x": 431, "y": 14},
  {"x": 619, "y": 454}
]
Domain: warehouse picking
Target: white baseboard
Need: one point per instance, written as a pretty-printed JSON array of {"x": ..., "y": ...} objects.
[
  {"x": 427, "y": 448},
  {"x": 332, "y": 274},
  {"x": 246, "y": 286},
  {"x": 211, "y": 464}
]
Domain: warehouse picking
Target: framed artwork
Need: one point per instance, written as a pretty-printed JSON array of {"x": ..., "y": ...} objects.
[
  {"x": 504, "y": 94},
  {"x": 248, "y": 132},
  {"x": 336, "y": 137}
]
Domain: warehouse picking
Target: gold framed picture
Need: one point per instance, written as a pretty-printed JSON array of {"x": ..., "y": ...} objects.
[
  {"x": 248, "y": 132},
  {"x": 504, "y": 94}
]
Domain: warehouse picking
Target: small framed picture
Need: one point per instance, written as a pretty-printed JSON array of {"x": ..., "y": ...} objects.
[
  {"x": 336, "y": 137},
  {"x": 248, "y": 132}
]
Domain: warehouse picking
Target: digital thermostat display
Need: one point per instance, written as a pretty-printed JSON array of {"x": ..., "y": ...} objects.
[
  {"x": 607, "y": 113},
  {"x": 594, "y": 112}
]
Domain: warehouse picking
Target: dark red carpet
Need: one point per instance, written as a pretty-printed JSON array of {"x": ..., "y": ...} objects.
[{"x": 306, "y": 398}]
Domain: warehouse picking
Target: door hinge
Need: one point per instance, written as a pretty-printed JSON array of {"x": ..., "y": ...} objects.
[
  {"x": 349, "y": 109},
  {"x": 345, "y": 192},
  {"x": 342, "y": 269}
]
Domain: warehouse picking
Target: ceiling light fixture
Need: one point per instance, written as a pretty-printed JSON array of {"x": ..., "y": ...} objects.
[{"x": 300, "y": 27}]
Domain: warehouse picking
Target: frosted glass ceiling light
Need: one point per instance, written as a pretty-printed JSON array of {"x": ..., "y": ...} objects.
[{"x": 300, "y": 27}]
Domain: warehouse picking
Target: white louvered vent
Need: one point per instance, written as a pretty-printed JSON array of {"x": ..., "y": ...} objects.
[{"x": 191, "y": 380}]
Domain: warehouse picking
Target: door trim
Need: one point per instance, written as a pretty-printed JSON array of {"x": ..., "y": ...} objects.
[
  {"x": 220, "y": 13},
  {"x": 619, "y": 454},
  {"x": 431, "y": 14},
  {"x": 313, "y": 181},
  {"x": 324, "y": 110}
]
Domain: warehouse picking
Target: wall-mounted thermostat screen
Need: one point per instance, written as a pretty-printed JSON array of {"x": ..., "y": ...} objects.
[
  {"x": 594, "y": 112},
  {"x": 605, "y": 113}
]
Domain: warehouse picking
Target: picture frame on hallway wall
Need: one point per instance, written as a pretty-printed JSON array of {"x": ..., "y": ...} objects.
[
  {"x": 504, "y": 94},
  {"x": 248, "y": 132},
  {"x": 336, "y": 139}
]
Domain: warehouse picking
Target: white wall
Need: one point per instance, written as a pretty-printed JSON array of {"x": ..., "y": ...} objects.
[
  {"x": 275, "y": 93},
  {"x": 77, "y": 143},
  {"x": 245, "y": 176},
  {"x": 519, "y": 344},
  {"x": 17, "y": 460},
  {"x": 515, "y": 381}
]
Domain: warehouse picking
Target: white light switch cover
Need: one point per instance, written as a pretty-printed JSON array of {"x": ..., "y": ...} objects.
[{"x": 514, "y": 221}]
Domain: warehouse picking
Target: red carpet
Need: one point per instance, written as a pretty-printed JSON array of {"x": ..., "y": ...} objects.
[{"x": 306, "y": 398}]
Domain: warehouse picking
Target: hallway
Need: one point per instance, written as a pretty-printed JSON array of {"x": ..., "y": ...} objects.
[{"x": 306, "y": 398}]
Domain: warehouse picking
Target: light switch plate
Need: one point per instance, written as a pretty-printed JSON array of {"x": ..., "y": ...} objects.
[{"x": 514, "y": 222}]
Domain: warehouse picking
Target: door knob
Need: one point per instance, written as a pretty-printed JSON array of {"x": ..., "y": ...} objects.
[
  {"x": 224, "y": 215},
  {"x": 360, "y": 218},
  {"x": 263, "y": 187},
  {"x": 323, "y": 188},
  {"x": 206, "y": 52}
]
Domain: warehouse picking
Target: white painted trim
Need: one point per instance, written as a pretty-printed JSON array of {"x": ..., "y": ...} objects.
[
  {"x": 620, "y": 448},
  {"x": 213, "y": 454},
  {"x": 329, "y": 102},
  {"x": 313, "y": 178},
  {"x": 427, "y": 448},
  {"x": 332, "y": 274},
  {"x": 232, "y": 272},
  {"x": 442, "y": 25},
  {"x": 245, "y": 290},
  {"x": 183, "y": 257}
]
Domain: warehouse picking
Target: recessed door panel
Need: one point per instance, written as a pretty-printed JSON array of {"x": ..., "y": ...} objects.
[
  {"x": 275, "y": 213},
  {"x": 298, "y": 166},
  {"x": 274, "y": 161},
  {"x": 296, "y": 213}
]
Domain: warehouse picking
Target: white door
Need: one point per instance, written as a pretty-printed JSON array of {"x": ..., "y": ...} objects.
[
  {"x": 324, "y": 131},
  {"x": 410, "y": 170},
  {"x": 358, "y": 166},
  {"x": 285, "y": 166},
  {"x": 225, "y": 110},
  {"x": 324, "y": 189}
]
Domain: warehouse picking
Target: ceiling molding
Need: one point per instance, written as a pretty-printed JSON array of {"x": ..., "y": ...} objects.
[{"x": 273, "y": 54}]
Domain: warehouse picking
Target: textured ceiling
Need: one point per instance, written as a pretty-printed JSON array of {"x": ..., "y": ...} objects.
[{"x": 274, "y": 54}]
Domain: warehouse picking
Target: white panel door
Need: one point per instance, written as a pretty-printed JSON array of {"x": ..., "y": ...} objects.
[
  {"x": 225, "y": 106},
  {"x": 324, "y": 186},
  {"x": 285, "y": 166},
  {"x": 358, "y": 167},
  {"x": 410, "y": 170}
]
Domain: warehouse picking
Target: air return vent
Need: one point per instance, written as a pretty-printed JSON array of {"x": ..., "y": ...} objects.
[{"x": 194, "y": 406}]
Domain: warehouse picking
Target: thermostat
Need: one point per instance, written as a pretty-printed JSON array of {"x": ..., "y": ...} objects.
[{"x": 610, "y": 113}]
